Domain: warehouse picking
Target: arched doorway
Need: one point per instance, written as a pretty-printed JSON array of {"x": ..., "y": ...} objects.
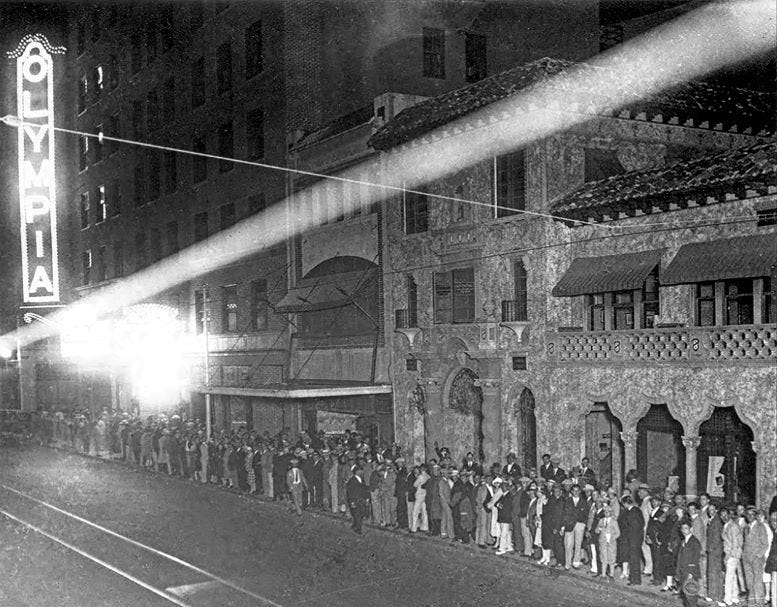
[
  {"x": 526, "y": 439},
  {"x": 660, "y": 451},
  {"x": 726, "y": 444},
  {"x": 603, "y": 444},
  {"x": 466, "y": 400}
]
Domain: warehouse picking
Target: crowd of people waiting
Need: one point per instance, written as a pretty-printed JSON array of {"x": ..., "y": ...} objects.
[{"x": 703, "y": 550}]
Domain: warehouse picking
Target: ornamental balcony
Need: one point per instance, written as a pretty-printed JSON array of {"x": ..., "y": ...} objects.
[
  {"x": 514, "y": 316},
  {"x": 745, "y": 343},
  {"x": 406, "y": 324}
]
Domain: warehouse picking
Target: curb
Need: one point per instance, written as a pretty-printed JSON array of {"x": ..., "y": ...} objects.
[{"x": 400, "y": 533}]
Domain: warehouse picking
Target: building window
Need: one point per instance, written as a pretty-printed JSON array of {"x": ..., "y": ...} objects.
[
  {"x": 152, "y": 110},
  {"x": 86, "y": 265},
  {"x": 520, "y": 310},
  {"x": 601, "y": 164},
  {"x": 84, "y": 206},
  {"x": 114, "y": 130},
  {"x": 113, "y": 72},
  {"x": 83, "y": 91},
  {"x": 454, "y": 296},
  {"x": 153, "y": 175},
  {"x": 168, "y": 100},
  {"x": 141, "y": 250},
  {"x": 739, "y": 302},
  {"x": 596, "y": 313},
  {"x": 140, "y": 180},
  {"x": 171, "y": 172},
  {"x": 475, "y": 57},
  {"x": 98, "y": 82},
  {"x": 199, "y": 163},
  {"x": 254, "y": 58},
  {"x": 101, "y": 264},
  {"x": 137, "y": 119},
  {"x": 623, "y": 310},
  {"x": 255, "y": 134},
  {"x": 151, "y": 41},
  {"x": 226, "y": 149},
  {"x": 171, "y": 234},
  {"x": 434, "y": 53},
  {"x": 166, "y": 27},
  {"x": 81, "y": 38},
  {"x": 651, "y": 303},
  {"x": 229, "y": 312},
  {"x": 198, "y": 82},
  {"x": 705, "y": 304},
  {"x": 200, "y": 226},
  {"x": 98, "y": 144},
  {"x": 224, "y": 68},
  {"x": 257, "y": 203},
  {"x": 416, "y": 211},
  {"x": 226, "y": 215},
  {"x": 259, "y": 304},
  {"x": 509, "y": 184},
  {"x": 155, "y": 244},
  {"x": 136, "y": 53},
  {"x": 83, "y": 152},
  {"x": 114, "y": 197},
  {"x": 412, "y": 302},
  {"x": 118, "y": 259},
  {"x": 102, "y": 209},
  {"x": 199, "y": 312},
  {"x": 766, "y": 217},
  {"x": 766, "y": 301}
]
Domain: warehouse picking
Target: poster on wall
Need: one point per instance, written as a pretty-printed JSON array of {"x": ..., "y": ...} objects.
[
  {"x": 335, "y": 423},
  {"x": 715, "y": 478}
]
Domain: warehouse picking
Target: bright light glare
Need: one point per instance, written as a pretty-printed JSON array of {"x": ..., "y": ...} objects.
[
  {"x": 5, "y": 351},
  {"x": 711, "y": 37}
]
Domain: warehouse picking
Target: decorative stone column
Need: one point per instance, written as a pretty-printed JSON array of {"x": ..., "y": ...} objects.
[
  {"x": 758, "y": 479},
  {"x": 629, "y": 438},
  {"x": 434, "y": 415},
  {"x": 492, "y": 419},
  {"x": 691, "y": 444}
]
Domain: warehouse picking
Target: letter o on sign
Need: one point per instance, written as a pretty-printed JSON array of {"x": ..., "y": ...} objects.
[{"x": 31, "y": 76}]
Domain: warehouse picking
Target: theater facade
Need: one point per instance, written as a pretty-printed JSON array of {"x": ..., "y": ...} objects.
[{"x": 605, "y": 291}]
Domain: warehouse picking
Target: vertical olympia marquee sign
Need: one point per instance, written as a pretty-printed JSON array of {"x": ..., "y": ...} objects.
[{"x": 37, "y": 185}]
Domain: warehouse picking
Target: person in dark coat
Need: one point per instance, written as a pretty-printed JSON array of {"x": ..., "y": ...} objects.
[
  {"x": 552, "y": 523},
  {"x": 471, "y": 466},
  {"x": 403, "y": 485},
  {"x": 688, "y": 557},
  {"x": 357, "y": 495},
  {"x": 434, "y": 502},
  {"x": 461, "y": 508},
  {"x": 651, "y": 536},
  {"x": 635, "y": 533},
  {"x": 714, "y": 554},
  {"x": 511, "y": 468},
  {"x": 520, "y": 511}
]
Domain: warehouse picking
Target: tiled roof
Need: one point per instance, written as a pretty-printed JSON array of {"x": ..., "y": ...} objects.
[
  {"x": 362, "y": 115},
  {"x": 749, "y": 166},
  {"x": 607, "y": 273},
  {"x": 696, "y": 99}
]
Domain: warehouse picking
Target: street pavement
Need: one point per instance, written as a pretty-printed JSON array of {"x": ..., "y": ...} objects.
[{"x": 81, "y": 532}]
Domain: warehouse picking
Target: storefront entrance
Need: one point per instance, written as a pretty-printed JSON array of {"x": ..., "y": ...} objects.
[
  {"x": 526, "y": 422},
  {"x": 603, "y": 445},
  {"x": 660, "y": 451},
  {"x": 465, "y": 428}
]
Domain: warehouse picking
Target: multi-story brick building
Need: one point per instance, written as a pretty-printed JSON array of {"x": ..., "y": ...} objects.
[
  {"x": 241, "y": 80},
  {"x": 606, "y": 290}
]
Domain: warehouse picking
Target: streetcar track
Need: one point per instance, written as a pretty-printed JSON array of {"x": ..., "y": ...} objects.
[
  {"x": 264, "y": 601},
  {"x": 159, "y": 592}
]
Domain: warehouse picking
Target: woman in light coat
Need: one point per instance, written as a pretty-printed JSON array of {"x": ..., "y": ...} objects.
[
  {"x": 419, "y": 518},
  {"x": 609, "y": 532}
]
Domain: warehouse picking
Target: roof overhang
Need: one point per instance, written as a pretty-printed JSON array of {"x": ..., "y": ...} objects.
[
  {"x": 589, "y": 275},
  {"x": 297, "y": 392}
]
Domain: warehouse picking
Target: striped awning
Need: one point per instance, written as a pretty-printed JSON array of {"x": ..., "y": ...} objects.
[
  {"x": 742, "y": 257},
  {"x": 589, "y": 275}
]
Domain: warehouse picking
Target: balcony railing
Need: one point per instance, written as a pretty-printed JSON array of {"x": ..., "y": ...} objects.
[
  {"x": 514, "y": 310},
  {"x": 403, "y": 319},
  {"x": 747, "y": 343}
]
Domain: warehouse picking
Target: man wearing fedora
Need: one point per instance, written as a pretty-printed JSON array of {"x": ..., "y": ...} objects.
[
  {"x": 357, "y": 495},
  {"x": 297, "y": 484}
]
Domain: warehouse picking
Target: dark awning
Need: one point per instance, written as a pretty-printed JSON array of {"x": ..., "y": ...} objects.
[
  {"x": 742, "y": 257},
  {"x": 609, "y": 273},
  {"x": 325, "y": 292}
]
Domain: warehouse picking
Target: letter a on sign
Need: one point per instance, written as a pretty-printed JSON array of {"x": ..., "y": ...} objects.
[{"x": 37, "y": 178}]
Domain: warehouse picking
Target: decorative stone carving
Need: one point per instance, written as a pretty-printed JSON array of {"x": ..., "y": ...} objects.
[
  {"x": 411, "y": 334},
  {"x": 487, "y": 383},
  {"x": 629, "y": 439},
  {"x": 465, "y": 395},
  {"x": 691, "y": 443},
  {"x": 417, "y": 399}
]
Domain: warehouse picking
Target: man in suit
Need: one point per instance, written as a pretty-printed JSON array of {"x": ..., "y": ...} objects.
[
  {"x": 546, "y": 469},
  {"x": 401, "y": 489},
  {"x": 558, "y": 474},
  {"x": 575, "y": 518},
  {"x": 635, "y": 534},
  {"x": 714, "y": 554},
  {"x": 688, "y": 562},
  {"x": 652, "y": 533},
  {"x": 754, "y": 556},
  {"x": 699, "y": 530},
  {"x": 512, "y": 469},
  {"x": 732, "y": 552},
  {"x": 357, "y": 494},
  {"x": 297, "y": 484},
  {"x": 586, "y": 476}
]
